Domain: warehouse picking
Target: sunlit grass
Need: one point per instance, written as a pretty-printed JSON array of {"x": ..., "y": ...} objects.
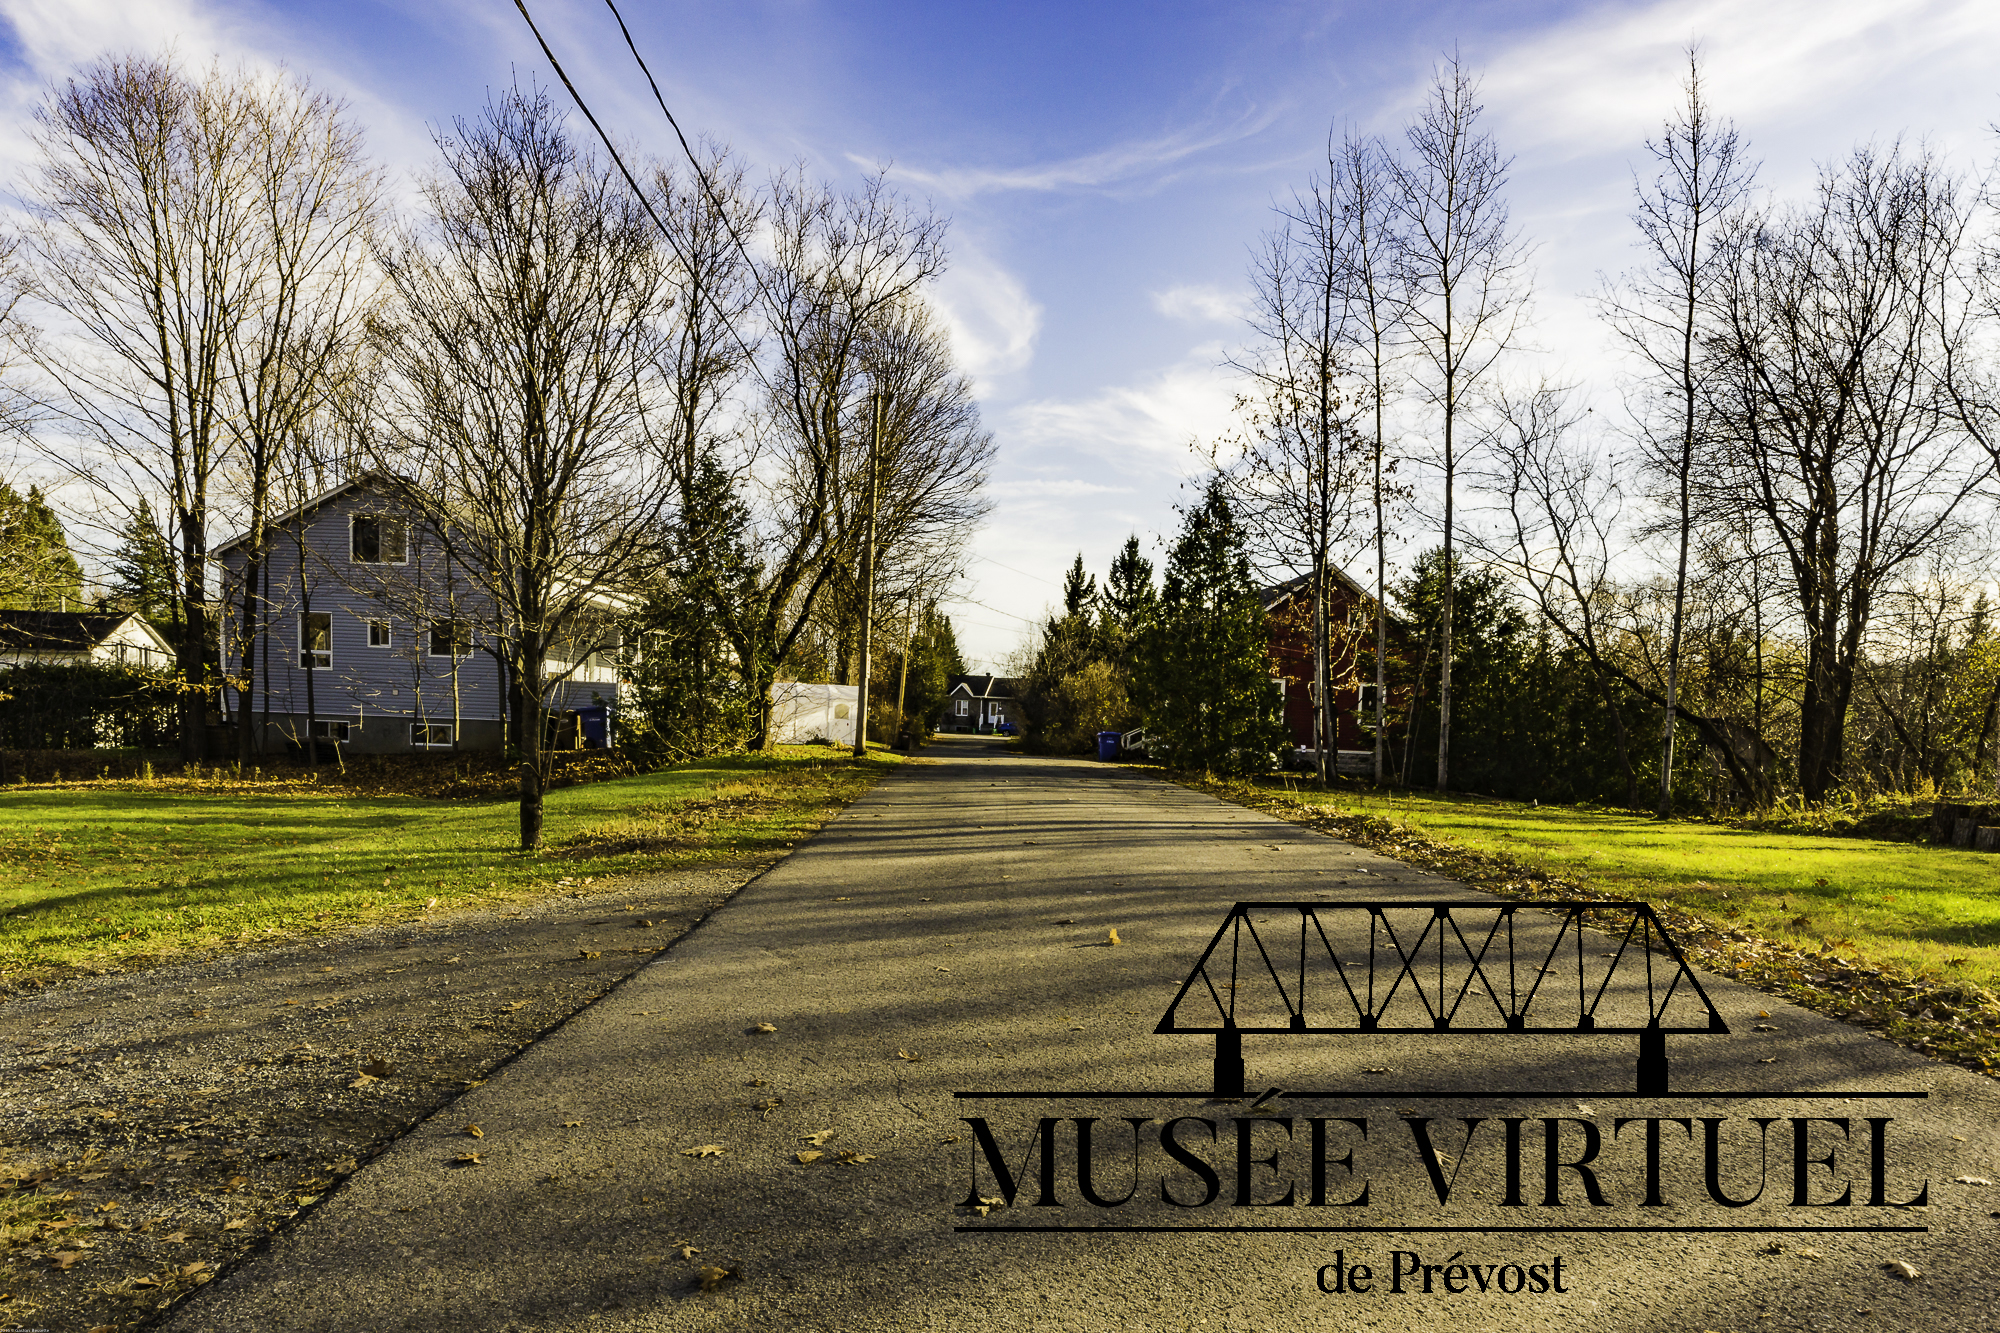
[
  {"x": 1931, "y": 911},
  {"x": 99, "y": 873}
]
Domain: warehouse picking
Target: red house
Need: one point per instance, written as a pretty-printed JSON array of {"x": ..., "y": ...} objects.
[{"x": 1288, "y": 607}]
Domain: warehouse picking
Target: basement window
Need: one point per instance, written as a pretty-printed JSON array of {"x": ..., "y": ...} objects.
[{"x": 430, "y": 735}]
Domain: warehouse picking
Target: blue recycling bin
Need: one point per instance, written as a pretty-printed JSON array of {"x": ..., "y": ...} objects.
[
  {"x": 596, "y": 722},
  {"x": 1107, "y": 745}
]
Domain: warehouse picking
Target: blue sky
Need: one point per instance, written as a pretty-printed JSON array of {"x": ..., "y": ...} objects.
[{"x": 1106, "y": 166}]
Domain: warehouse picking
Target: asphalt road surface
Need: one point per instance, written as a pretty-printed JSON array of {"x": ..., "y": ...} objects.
[{"x": 950, "y": 934}]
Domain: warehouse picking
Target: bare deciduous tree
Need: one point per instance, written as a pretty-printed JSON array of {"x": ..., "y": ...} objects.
[
  {"x": 840, "y": 265},
  {"x": 1460, "y": 265},
  {"x": 524, "y": 342},
  {"x": 1839, "y": 340},
  {"x": 1701, "y": 178},
  {"x": 146, "y": 256}
]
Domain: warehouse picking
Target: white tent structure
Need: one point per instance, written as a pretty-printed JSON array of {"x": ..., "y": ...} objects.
[{"x": 805, "y": 711}]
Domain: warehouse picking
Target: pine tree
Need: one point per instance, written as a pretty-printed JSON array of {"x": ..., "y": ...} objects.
[
  {"x": 37, "y": 570},
  {"x": 1129, "y": 597},
  {"x": 142, "y": 569},
  {"x": 1203, "y": 677},
  {"x": 1079, "y": 591}
]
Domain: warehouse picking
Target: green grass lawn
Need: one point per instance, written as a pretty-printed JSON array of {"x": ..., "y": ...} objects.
[
  {"x": 1928, "y": 911},
  {"x": 100, "y": 873}
]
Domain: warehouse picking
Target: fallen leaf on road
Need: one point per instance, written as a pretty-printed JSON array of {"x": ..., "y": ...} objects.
[
  {"x": 510, "y": 1008},
  {"x": 1804, "y": 1253},
  {"x": 587, "y": 954},
  {"x": 378, "y": 1069},
  {"x": 642, "y": 924},
  {"x": 704, "y": 1150},
  {"x": 307, "y": 1200},
  {"x": 1113, "y": 937},
  {"x": 1765, "y": 1027},
  {"x": 902, "y": 1054},
  {"x": 944, "y": 969},
  {"x": 765, "y": 1027},
  {"x": 848, "y": 1157},
  {"x": 1903, "y": 1269},
  {"x": 1970, "y": 1180},
  {"x": 1379, "y": 1069},
  {"x": 818, "y": 1138},
  {"x": 467, "y": 1159},
  {"x": 711, "y": 1278},
  {"x": 572, "y": 1124},
  {"x": 474, "y": 1132},
  {"x": 809, "y": 1156}
]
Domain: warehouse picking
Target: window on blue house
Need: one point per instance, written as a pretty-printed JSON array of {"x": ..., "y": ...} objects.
[
  {"x": 430, "y": 735},
  {"x": 316, "y": 640},
  {"x": 376, "y": 539}
]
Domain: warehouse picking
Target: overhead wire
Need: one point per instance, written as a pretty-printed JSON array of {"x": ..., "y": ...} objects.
[{"x": 750, "y": 357}]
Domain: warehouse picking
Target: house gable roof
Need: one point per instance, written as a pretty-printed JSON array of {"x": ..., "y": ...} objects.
[
  {"x": 67, "y": 631},
  {"x": 375, "y": 480},
  {"x": 986, "y": 686}
]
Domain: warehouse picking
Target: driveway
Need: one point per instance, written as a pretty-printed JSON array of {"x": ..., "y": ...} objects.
[{"x": 950, "y": 934}]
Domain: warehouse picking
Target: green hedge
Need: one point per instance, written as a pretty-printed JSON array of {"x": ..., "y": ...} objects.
[{"x": 81, "y": 706}]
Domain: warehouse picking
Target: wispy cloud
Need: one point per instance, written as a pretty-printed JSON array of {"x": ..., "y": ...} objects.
[
  {"x": 1604, "y": 82},
  {"x": 992, "y": 318},
  {"x": 1142, "y": 425},
  {"x": 1202, "y": 303},
  {"x": 1144, "y": 161}
]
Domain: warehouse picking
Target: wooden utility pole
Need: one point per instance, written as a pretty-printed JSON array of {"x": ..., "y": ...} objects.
[
  {"x": 903, "y": 681},
  {"x": 879, "y": 402}
]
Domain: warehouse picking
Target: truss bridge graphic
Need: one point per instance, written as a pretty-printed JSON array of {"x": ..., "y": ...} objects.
[{"x": 1371, "y": 969}]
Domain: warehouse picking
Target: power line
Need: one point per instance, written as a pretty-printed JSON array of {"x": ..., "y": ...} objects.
[
  {"x": 1022, "y": 572},
  {"x": 645, "y": 203}
]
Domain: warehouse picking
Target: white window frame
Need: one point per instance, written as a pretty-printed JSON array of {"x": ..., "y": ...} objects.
[
  {"x": 964, "y": 708},
  {"x": 320, "y": 659},
  {"x": 388, "y": 634},
  {"x": 424, "y": 735},
  {"x": 354, "y": 558},
  {"x": 464, "y": 645}
]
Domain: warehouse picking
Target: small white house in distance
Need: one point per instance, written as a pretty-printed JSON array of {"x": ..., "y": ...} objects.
[
  {"x": 117, "y": 638},
  {"x": 805, "y": 711}
]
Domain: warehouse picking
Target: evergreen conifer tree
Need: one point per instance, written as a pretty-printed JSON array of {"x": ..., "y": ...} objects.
[
  {"x": 142, "y": 569},
  {"x": 1203, "y": 678},
  {"x": 37, "y": 570}
]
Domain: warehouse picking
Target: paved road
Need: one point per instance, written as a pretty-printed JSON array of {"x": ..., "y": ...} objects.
[{"x": 958, "y": 914}]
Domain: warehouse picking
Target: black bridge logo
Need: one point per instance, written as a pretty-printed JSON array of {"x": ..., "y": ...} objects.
[{"x": 1318, "y": 968}]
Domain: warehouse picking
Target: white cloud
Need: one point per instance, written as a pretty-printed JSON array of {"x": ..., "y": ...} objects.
[
  {"x": 1202, "y": 303},
  {"x": 993, "y": 320},
  {"x": 1605, "y": 82},
  {"x": 1120, "y": 163},
  {"x": 1140, "y": 425}
]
